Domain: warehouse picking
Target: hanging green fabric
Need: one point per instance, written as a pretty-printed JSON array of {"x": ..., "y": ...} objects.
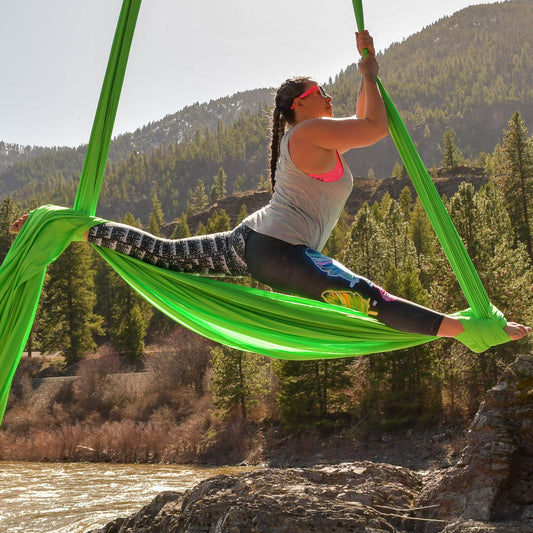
[
  {"x": 267, "y": 323},
  {"x": 440, "y": 219}
]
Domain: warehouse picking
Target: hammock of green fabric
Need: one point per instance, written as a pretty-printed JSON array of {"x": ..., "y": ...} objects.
[{"x": 263, "y": 322}]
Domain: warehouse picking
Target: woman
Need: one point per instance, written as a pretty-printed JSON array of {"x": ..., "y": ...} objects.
[{"x": 280, "y": 244}]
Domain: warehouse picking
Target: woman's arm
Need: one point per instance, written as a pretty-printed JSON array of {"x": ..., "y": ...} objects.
[
  {"x": 366, "y": 128},
  {"x": 370, "y": 123}
]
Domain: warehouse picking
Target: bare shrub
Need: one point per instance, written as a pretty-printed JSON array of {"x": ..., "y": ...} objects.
[
  {"x": 92, "y": 376},
  {"x": 182, "y": 359}
]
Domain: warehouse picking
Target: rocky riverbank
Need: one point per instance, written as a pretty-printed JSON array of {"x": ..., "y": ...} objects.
[{"x": 489, "y": 489}]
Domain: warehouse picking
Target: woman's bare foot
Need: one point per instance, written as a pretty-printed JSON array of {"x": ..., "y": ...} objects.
[
  {"x": 516, "y": 331},
  {"x": 451, "y": 327},
  {"x": 17, "y": 225}
]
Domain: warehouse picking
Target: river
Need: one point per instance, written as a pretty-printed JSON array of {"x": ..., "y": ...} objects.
[{"x": 78, "y": 497}]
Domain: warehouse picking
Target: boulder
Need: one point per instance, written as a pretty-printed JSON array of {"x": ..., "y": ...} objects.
[{"x": 493, "y": 480}]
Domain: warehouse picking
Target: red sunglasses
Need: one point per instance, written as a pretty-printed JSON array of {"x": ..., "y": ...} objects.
[{"x": 318, "y": 88}]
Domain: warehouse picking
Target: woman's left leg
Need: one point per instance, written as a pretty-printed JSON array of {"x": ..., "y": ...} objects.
[{"x": 218, "y": 254}]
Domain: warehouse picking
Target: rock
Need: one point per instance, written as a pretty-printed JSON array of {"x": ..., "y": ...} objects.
[
  {"x": 489, "y": 490},
  {"x": 347, "y": 498},
  {"x": 493, "y": 479}
]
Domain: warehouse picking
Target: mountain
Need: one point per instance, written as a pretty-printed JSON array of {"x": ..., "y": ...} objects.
[
  {"x": 36, "y": 169},
  {"x": 467, "y": 73}
]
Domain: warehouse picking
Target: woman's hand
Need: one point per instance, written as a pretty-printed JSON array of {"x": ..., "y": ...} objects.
[
  {"x": 365, "y": 40},
  {"x": 369, "y": 67}
]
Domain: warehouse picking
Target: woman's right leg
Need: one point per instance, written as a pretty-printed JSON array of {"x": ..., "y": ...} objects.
[{"x": 305, "y": 272}]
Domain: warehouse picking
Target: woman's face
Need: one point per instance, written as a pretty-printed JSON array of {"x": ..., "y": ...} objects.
[{"x": 316, "y": 103}]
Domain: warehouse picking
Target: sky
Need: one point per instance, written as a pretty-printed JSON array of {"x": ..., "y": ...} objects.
[{"x": 54, "y": 54}]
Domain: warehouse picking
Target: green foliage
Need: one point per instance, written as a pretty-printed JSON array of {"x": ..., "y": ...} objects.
[
  {"x": 181, "y": 231},
  {"x": 220, "y": 221},
  {"x": 199, "y": 200},
  {"x": 243, "y": 213},
  {"x": 66, "y": 315},
  {"x": 218, "y": 189},
  {"x": 515, "y": 177},
  {"x": 156, "y": 219},
  {"x": 451, "y": 155},
  {"x": 239, "y": 379},
  {"x": 399, "y": 171},
  {"x": 130, "y": 319},
  {"x": 9, "y": 212},
  {"x": 312, "y": 391}
]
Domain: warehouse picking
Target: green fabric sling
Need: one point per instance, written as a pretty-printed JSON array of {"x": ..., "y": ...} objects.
[{"x": 267, "y": 323}]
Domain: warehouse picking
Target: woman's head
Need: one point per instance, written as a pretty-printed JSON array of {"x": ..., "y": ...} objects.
[
  {"x": 287, "y": 93},
  {"x": 285, "y": 113}
]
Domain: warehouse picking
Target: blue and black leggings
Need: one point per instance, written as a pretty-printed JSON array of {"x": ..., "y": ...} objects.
[{"x": 285, "y": 267}]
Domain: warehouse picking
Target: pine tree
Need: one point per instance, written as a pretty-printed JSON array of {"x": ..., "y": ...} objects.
[
  {"x": 239, "y": 379},
  {"x": 243, "y": 213},
  {"x": 359, "y": 254},
  {"x": 399, "y": 171},
  {"x": 406, "y": 202},
  {"x": 516, "y": 178},
  {"x": 181, "y": 231},
  {"x": 218, "y": 190},
  {"x": 129, "y": 313},
  {"x": 220, "y": 221},
  {"x": 199, "y": 200},
  {"x": 312, "y": 391},
  {"x": 451, "y": 156},
  {"x": 421, "y": 230},
  {"x": 9, "y": 212},
  {"x": 67, "y": 318},
  {"x": 263, "y": 184},
  {"x": 156, "y": 219},
  {"x": 131, "y": 316}
]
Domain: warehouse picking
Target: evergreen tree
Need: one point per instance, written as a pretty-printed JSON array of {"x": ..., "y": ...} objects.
[
  {"x": 311, "y": 391},
  {"x": 516, "y": 178},
  {"x": 9, "y": 212},
  {"x": 263, "y": 184},
  {"x": 239, "y": 379},
  {"x": 131, "y": 317},
  {"x": 451, "y": 156},
  {"x": 220, "y": 221},
  {"x": 129, "y": 313},
  {"x": 359, "y": 254},
  {"x": 243, "y": 213},
  {"x": 406, "y": 202},
  {"x": 462, "y": 207},
  {"x": 67, "y": 319},
  {"x": 218, "y": 190},
  {"x": 422, "y": 235},
  {"x": 156, "y": 219},
  {"x": 199, "y": 200},
  {"x": 336, "y": 242},
  {"x": 399, "y": 171},
  {"x": 181, "y": 231}
]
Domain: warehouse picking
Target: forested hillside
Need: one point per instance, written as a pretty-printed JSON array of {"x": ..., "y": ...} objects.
[{"x": 465, "y": 74}]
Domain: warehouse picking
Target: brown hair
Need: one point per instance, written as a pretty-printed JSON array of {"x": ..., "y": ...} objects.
[{"x": 283, "y": 115}]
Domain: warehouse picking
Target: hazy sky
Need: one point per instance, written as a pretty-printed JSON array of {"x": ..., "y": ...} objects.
[{"x": 54, "y": 54}]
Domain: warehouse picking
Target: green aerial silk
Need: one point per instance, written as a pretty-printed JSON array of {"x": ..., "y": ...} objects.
[{"x": 267, "y": 323}]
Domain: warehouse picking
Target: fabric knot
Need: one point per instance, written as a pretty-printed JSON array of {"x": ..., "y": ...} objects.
[{"x": 482, "y": 333}]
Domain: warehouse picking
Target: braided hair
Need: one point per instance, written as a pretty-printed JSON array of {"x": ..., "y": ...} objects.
[{"x": 283, "y": 115}]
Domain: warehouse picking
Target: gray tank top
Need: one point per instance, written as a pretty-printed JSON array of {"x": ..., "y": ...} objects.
[{"x": 302, "y": 210}]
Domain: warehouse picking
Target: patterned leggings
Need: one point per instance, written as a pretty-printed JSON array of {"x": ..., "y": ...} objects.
[{"x": 285, "y": 267}]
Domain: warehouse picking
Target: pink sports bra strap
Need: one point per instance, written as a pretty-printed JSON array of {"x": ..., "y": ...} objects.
[{"x": 332, "y": 175}]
